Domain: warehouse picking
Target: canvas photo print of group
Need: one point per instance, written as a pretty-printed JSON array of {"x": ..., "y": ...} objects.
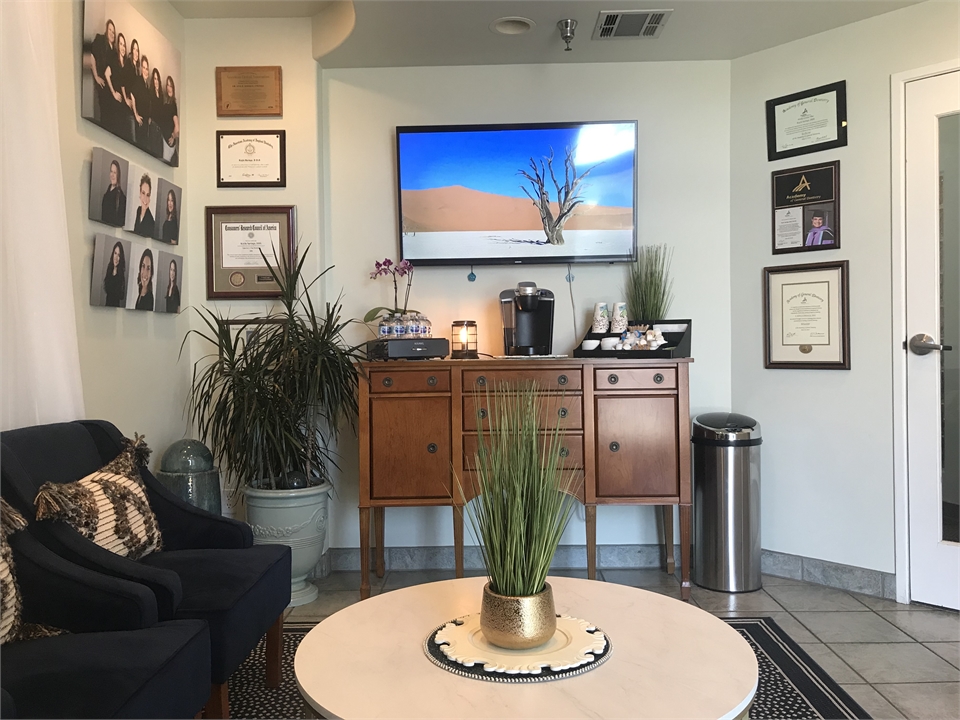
[
  {"x": 131, "y": 76},
  {"x": 126, "y": 195},
  {"x": 129, "y": 274}
]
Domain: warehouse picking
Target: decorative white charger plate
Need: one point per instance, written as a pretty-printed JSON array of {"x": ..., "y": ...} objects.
[{"x": 459, "y": 647}]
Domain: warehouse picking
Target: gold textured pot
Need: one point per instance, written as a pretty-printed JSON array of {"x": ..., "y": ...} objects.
[{"x": 518, "y": 622}]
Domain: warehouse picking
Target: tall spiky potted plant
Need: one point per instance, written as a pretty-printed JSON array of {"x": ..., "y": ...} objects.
[
  {"x": 649, "y": 288},
  {"x": 270, "y": 401},
  {"x": 523, "y": 501}
]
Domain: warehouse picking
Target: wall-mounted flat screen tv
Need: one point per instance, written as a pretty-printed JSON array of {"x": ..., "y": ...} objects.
[{"x": 509, "y": 194}]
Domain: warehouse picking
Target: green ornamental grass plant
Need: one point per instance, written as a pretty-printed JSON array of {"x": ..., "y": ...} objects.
[
  {"x": 649, "y": 288},
  {"x": 523, "y": 495}
]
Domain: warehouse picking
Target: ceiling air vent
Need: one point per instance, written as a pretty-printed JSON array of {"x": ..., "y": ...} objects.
[{"x": 630, "y": 24}]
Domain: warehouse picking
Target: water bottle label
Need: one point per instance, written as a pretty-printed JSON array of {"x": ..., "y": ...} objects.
[{"x": 385, "y": 331}]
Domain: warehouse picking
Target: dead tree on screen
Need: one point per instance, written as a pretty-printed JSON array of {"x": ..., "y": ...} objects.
[{"x": 568, "y": 196}]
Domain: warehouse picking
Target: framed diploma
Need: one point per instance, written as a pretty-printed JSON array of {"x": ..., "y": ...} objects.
[
  {"x": 250, "y": 91},
  {"x": 236, "y": 236},
  {"x": 248, "y": 158},
  {"x": 806, "y": 208},
  {"x": 807, "y": 121},
  {"x": 806, "y": 316}
]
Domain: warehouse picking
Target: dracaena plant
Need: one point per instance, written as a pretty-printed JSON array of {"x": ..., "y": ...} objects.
[
  {"x": 272, "y": 395},
  {"x": 523, "y": 494}
]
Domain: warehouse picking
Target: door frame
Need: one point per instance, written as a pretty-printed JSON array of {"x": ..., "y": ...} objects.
[{"x": 898, "y": 249}]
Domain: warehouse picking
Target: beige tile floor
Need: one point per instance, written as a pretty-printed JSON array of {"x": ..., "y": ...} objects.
[{"x": 897, "y": 661}]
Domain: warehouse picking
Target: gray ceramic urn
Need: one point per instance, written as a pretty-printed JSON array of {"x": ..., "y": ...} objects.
[{"x": 186, "y": 469}]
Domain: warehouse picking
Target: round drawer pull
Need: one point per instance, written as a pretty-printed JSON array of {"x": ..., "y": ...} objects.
[
  {"x": 564, "y": 452},
  {"x": 563, "y": 412},
  {"x": 481, "y": 381},
  {"x": 432, "y": 380},
  {"x": 658, "y": 378},
  {"x": 432, "y": 448},
  {"x": 614, "y": 446},
  {"x": 562, "y": 380},
  {"x": 388, "y": 382},
  {"x": 612, "y": 379},
  {"x": 482, "y": 413}
]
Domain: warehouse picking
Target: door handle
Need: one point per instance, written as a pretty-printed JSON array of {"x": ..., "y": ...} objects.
[{"x": 922, "y": 344}]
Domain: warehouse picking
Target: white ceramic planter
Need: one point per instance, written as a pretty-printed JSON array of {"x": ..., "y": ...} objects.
[{"x": 297, "y": 518}]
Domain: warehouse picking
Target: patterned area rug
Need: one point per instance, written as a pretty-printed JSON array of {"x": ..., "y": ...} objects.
[{"x": 792, "y": 686}]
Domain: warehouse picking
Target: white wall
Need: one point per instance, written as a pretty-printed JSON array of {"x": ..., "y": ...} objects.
[
  {"x": 827, "y": 458},
  {"x": 128, "y": 360},
  {"x": 683, "y": 195}
]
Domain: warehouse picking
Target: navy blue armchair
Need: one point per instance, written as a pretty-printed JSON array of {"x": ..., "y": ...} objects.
[
  {"x": 116, "y": 660},
  {"x": 208, "y": 569}
]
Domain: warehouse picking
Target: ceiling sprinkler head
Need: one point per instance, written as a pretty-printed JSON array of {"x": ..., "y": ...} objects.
[{"x": 567, "y": 28}]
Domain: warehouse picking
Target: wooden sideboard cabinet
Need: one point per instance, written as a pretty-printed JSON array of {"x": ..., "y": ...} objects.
[{"x": 625, "y": 425}]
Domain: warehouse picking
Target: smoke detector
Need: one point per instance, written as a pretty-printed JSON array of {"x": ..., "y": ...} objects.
[{"x": 630, "y": 24}]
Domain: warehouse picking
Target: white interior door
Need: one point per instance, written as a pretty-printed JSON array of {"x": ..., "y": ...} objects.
[{"x": 932, "y": 125}]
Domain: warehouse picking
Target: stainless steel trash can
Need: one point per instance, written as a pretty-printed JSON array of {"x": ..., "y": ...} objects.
[{"x": 726, "y": 502}]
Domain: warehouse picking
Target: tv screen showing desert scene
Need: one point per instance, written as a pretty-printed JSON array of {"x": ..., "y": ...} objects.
[{"x": 518, "y": 194}]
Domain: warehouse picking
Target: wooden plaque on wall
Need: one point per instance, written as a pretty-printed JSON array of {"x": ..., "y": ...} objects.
[{"x": 250, "y": 91}]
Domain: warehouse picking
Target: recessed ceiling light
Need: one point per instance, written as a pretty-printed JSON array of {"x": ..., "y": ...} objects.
[{"x": 512, "y": 25}]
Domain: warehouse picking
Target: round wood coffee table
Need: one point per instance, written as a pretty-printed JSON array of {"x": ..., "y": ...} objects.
[{"x": 669, "y": 660}]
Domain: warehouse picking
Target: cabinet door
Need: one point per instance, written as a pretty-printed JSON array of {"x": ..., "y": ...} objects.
[
  {"x": 410, "y": 454},
  {"x": 637, "y": 451}
]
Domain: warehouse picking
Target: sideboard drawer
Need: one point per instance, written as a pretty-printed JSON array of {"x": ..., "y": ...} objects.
[
  {"x": 547, "y": 380},
  {"x": 570, "y": 449},
  {"x": 410, "y": 381},
  {"x": 613, "y": 378},
  {"x": 563, "y": 411}
]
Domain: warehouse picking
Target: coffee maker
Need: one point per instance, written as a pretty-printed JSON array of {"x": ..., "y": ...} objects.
[{"x": 527, "y": 313}]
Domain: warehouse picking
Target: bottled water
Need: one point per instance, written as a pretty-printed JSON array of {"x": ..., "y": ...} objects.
[
  {"x": 426, "y": 327},
  {"x": 385, "y": 328},
  {"x": 399, "y": 328}
]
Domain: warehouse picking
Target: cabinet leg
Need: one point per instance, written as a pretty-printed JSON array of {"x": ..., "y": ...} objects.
[
  {"x": 458, "y": 539},
  {"x": 364, "y": 553},
  {"x": 378, "y": 534},
  {"x": 685, "y": 517},
  {"x": 666, "y": 514},
  {"x": 591, "y": 518}
]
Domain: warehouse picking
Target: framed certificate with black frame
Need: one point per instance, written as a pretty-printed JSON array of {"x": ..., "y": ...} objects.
[
  {"x": 251, "y": 158},
  {"x": 806, "y": 316},
  {"x": 236, "y": 236},
  {"x": 807, "y": 121},
  {"x": 806, "y": 208}
]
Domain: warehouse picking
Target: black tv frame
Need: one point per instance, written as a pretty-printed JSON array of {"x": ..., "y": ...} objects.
[{"x": 558, "y": 260}]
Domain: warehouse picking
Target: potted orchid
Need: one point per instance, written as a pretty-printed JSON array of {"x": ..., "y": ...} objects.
[{"x": 398, "y": 270}]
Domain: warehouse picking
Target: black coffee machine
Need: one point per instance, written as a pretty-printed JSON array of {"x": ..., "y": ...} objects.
[{"x": 527, "y": 313}]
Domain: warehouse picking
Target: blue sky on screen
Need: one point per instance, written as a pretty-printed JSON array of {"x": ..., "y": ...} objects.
[{"x": 489, "y": 160}]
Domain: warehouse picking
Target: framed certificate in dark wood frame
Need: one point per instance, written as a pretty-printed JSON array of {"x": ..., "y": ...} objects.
[
  {"x": 807, "y": 121},
  {"x": 806, "y": 208},
  {"x": 806, "y": 316},
  {"x": 253, "y": 91},
  {"x": 251, "y": 158},
  {"x": 235, "y": 236}
]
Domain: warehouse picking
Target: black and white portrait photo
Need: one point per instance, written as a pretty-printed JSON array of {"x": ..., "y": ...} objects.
[
  {"x": 111, "y": 266},
  {"x": 167, "y": 215},
  {"x": 141, "y": 202},
  {"x": 141, "y": 277},
  {"x": 131, "y": 77},
  {"x": 108, "y": 188},
  {"x": 169, "y": 282}
]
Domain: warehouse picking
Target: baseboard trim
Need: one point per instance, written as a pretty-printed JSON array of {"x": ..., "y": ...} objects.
[{"x": 574, "y": 557}]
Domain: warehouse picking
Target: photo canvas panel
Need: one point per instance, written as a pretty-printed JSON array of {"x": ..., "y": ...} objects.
[
  {"x": 108, "y": 201},
  {"x": 112, "y": 87},
  {"x": 109, "y": 280},
  {"x": 169, "y": 282},
  {"x": 141, "y": 201},
  {"x": 169, "y": 200},
  {"x": 142, "y": 257}
]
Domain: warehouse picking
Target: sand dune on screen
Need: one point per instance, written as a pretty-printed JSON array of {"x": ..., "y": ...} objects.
[{"x": 457, "y": 208}]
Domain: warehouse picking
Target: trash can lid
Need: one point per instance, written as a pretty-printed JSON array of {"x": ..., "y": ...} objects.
[{"x": 726, "y": 426}]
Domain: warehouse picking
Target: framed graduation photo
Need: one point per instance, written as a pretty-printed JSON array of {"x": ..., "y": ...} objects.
[{"x": 806, "y": 208}]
